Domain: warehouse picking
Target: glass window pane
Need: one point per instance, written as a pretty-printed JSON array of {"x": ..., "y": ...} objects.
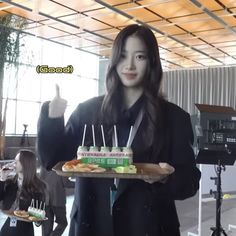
[
  {"x": 28, "y": 84},
  {"x": 34, "y": 89},
  {"x": 30, "y": 51},
  {"x": 9, "y": 82},
  {"x": 27, "y": 113},
  {"x": 10, "y": 116},
  {"x": 51, "y": 53}
]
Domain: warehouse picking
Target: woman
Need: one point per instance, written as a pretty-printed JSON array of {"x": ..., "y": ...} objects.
[
  {"x": 164, "y": 134},
  {"x": 17, "y": 193}
]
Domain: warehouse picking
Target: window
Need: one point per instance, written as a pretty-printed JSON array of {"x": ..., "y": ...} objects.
[{"x": 27, "y": 89}]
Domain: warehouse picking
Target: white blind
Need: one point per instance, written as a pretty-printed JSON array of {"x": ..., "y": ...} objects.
[{"x": 213, "y": 86}]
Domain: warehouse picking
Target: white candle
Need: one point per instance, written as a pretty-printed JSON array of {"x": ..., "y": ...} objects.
[
  {"x": 116, "y": 141},
  {"x": 94, "y": 143},
  {"x": 103, "y": 137},
  {"x": 130, "y": 132},
  {"x": 85, "y": 126}
]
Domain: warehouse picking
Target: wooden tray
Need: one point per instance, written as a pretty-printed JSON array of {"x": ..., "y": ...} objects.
[
  {"x": 145, "y": 171},
  {"x": 26, "y": 219}
]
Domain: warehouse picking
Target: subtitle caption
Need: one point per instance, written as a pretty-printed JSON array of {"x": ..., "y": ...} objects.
[{"x": 46, "y": 69}]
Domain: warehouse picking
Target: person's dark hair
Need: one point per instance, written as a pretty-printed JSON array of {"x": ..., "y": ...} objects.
[
  {"x": 112, "y": 102},
  {"x": 31, "y": 183}
]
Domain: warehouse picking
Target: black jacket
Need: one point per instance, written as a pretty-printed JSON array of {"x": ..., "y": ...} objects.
[
  {"x": 56, "y": 187},
  {"x": 140, "y": 208}
]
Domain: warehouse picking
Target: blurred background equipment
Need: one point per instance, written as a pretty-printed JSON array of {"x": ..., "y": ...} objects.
[
  {"x": 25, "y": 138},
  {"x": 216, "y": 139}
]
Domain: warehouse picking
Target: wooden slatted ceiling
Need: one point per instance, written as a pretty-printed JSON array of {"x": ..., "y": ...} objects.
[{"x": 190, "y": 33}]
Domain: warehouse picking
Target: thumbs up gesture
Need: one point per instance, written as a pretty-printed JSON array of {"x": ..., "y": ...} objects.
[{"x": 57, "y": 106}]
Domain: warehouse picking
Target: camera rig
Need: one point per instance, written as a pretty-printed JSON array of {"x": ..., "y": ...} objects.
[{"x": 216, "y": 134}]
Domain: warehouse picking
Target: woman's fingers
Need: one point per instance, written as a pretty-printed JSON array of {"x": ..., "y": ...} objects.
[
  {"x": 57, "y": 106},
  {"x": 4, "y": 174},
  {"x": 166, "y": 166},
  {"x": 57, "y": 91}
]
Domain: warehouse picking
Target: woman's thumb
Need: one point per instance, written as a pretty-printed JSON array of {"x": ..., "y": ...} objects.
[{"x": 57, "y": 91}]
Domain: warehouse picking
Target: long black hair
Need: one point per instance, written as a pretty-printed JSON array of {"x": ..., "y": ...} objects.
[
  {"x": 31, "y": 183},
  {"x": 112, "y": 103}
]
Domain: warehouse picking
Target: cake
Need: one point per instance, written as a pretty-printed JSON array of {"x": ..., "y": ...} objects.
[
  {"x": 39, "y": 213},
  {"x": 35, "y": 211},
  {"x": 107, "y": 157}
]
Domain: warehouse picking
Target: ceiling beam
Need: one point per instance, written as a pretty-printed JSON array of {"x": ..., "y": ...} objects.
[
  {"x": 155, "y": 29},
  {"x": 213, "y": 16},
  {"x": 47, "y": 39},
  {"x": 56, "y": 19}
]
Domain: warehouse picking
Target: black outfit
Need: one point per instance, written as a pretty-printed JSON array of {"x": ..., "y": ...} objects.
[
  {"x": 140, "y": 208},
  {"x": 56, "y": 205},
  {"x": 8, "y": 195},
  {"x": 59, "y": 213}
]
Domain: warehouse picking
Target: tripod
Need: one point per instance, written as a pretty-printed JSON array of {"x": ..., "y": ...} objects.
[
  {"x": 218, "y": 230},
  {"x": 24, "y": 137}
]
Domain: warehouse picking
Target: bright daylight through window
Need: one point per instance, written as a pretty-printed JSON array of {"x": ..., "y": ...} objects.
[{"x": 27, "y": 89}]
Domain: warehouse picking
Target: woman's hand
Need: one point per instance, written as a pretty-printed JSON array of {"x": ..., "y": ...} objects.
[
  {"x": 4, "y": 174},
  {"x": 57, "y": 106},
  {"x": 7, "y": 171},
  {"x": 166, "y": 166},
  {"x": 163, "y": 165}
]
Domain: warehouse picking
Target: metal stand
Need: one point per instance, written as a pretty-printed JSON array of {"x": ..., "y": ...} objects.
[
  {"x": 199, "y": 228},
  {"x": 24, "y": 138},
  {"x": 218, "y": 230}
]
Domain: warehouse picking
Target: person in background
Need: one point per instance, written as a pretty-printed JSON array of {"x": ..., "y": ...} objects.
[
  {"x": 163, "y": 135},
  {"x": 56, "y": 204},
  {"x": 17, "y": 193}
]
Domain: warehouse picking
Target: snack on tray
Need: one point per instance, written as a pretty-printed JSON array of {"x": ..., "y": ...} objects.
[
  {"x": 77, "y": 166},
  {"x": 33, "y": 218},
  {"x": 70, "y": 165},
  {"x": 21, "y": 213},
  {"x": 131, "y": 169},
  {"x": 98, "y": 170}
]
